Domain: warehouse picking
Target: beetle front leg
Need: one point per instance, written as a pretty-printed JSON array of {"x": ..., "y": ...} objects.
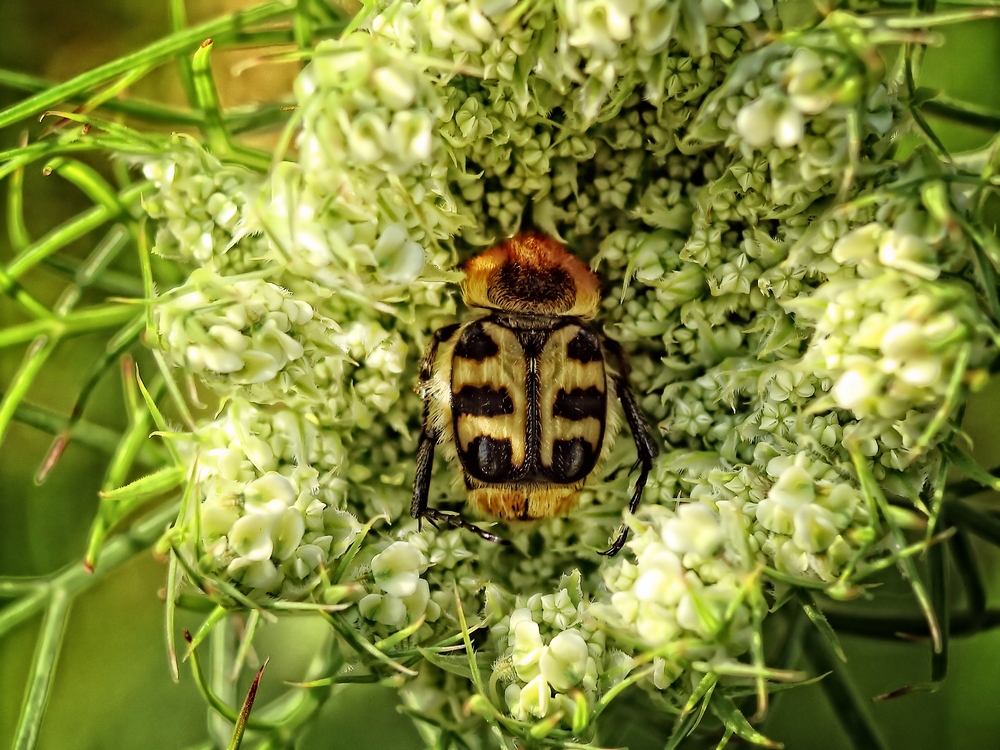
[
  {"x": 646, "y": 450},
  {"x": 454, "y": 520}
]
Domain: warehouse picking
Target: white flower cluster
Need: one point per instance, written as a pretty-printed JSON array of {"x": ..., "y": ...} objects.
[
  {"x": 556, "y": 116},
  {"x": 551, "y": 648},
  {"x": 398, "y": 596},
  {"x": 246, "y": 334},
  {"x": 890, "y": 333},
  {"x": 322, "y": 317},
  {"x": 369, "y": 138},
  {"x": 686, "y": 595},
  {"x": 201, "y": 205},
  {"x": 812, "y": 521},
  {"x": 267, "y": 519},
  {"x": 803, "y": 109},
  {"x": 765, "y": 333}
]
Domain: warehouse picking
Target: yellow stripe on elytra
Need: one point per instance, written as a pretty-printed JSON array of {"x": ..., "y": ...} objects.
[
  {"x": 504, "y": 370},
  {"x": 559, "y": 372}
]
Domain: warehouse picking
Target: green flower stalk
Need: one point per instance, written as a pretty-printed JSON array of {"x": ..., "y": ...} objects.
[{"x": 802, "y": 323}]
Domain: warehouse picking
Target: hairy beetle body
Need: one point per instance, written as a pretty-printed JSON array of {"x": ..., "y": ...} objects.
[{"x": 521, "y": 396}]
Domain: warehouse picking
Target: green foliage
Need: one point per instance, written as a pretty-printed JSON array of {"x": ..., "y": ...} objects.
[{"x": 807, "y": 305}]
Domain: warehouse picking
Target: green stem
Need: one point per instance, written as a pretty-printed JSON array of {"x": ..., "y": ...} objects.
[
  {"x": 84, "y": 321},
  {"x": 228, "y": 27},
  {"x": 113, "y": 282},
  {"x": 122, "y": 460},
  {"x": 206, "y": 98},
  {"x": 224, "y": 710},
  {"x": 114, "y": 349},
  {"x": 361, "y": 645},
  {"x": 963, "y": 113},
  {"x": 13, "y": 588},
  {"x": 20, "y": 239},
  {"x": 71, "y": 230},
  {"x": 43, "y": 669},
  {"x": 76, "y": 578},
  {"x": 302, "y": 25},
  {"x": 15, "y": 158},
  {"x": 965, "y": 565},
  {"x": 242, "y": 121},
  {"x": 239, "y": 119},
  {"x": 178, "y": 22},
  {"x": 937, "y": 582},
  {"x": 173, "y": 584},
  {"x": 16, "y": 229},
  {"x": 148, "y": 111},
  {"x": 83, "y": 432},
  {"x": 23, "y": 297},
  {"x": 23, "y": 379},
  {"x": 815, "y": 616},
  {"x": 88, "y": 180},
  {"x": 846, "y": 703},
  {"x": 246, "y": 641}
]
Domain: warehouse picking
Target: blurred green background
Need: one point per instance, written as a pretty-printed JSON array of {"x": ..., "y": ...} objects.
[{"x": 112, "y": 687}]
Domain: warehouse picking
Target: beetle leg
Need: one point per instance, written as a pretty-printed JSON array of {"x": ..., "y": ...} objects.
[
  {"x": 421, "y": 489},
  {"x": 422, "y": 479},
  {"x": 430, "y": 437},
  {"x": 454, "y": 520},
  {"x": 645, "y": 448}
]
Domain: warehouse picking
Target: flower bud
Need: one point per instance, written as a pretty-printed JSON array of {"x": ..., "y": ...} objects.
[
  {"x": 815, "y": 528},
  {"x": 535, "y": 698},
  {"x": 858, "y": 244},
  {"x": 564, "y": 661},
  {"x": 397, "y": 569},
  {"x": 695, "y": 528}
]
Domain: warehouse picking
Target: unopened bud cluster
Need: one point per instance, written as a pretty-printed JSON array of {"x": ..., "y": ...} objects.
[
  {"x": 269, "y": 519},
  {"x": 200, "y": 204},
  {"x": 551, "y": 650},
  {"x": 889, "y": 331}
]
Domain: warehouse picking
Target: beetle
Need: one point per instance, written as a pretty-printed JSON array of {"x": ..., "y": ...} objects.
[{"x": 528, "y": 396}]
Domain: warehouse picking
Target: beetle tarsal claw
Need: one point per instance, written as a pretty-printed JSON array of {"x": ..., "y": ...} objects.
[
  {"x": 619, "y": 542},
  {"x": 435, "y": 517}
]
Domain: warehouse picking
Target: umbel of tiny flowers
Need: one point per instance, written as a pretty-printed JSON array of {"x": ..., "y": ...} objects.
[
  {"x": 266, "y": 518},
  {"x": 685, "y": 595},
  {"x": 200, "y": 205},
  {"x": 551, "y": 649},
  {"x": 246, "y": 334},
  {"x": 805, "y": 108},
  {"x": 890, "y": 332},
  {"x": 799, "y": 321}
]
